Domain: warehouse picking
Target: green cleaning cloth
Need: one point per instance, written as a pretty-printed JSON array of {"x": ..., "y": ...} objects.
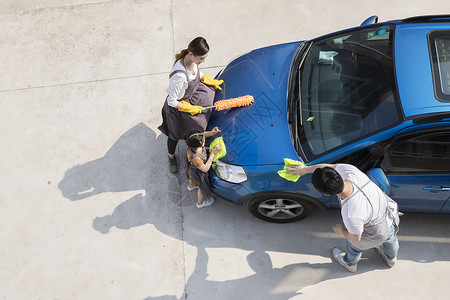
[
  {"x": 222, "y": 152},
  {"x": 289, "y": 176}
]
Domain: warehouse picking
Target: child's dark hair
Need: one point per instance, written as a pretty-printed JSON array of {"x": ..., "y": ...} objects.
[
  {"x": 327, "y": 181},
  {"x": 194, "y": 140}
]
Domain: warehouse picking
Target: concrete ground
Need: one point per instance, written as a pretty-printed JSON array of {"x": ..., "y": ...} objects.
[{"x": 88, "y": 209}]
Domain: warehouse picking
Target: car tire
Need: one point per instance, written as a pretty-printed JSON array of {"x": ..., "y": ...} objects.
[{"x": 279, "y": 207}]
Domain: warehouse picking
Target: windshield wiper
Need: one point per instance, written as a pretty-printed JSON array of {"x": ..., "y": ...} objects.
[
  {"x": 294, "y": 90},
  {"x": 294, "y": 111},
  {"x": 298, "y": 121}
]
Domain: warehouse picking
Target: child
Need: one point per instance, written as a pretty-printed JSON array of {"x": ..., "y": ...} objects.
[{"x": 199, "y": 166}]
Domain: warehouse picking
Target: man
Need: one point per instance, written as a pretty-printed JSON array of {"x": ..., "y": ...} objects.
[{"x": 370, "y": 222}]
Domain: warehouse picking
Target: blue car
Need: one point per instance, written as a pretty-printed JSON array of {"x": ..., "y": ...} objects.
[{"x": 376, "y": 96}]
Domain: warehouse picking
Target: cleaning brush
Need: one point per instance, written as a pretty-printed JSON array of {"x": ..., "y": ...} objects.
[{"x": 230, "y": 103}]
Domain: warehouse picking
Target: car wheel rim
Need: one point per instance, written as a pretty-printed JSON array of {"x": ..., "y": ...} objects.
[{"x": 280, "y": 208}]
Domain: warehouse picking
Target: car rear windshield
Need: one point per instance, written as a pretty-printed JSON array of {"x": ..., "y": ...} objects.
[
  {"x": 347, "y": 89},
  {"x": 439, "y": 42}
]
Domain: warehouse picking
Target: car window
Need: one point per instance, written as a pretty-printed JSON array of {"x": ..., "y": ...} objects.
[
  {"x": 365, "y": 158},
  {"x": 439, "y": 42},
  {"x": 347, "y": 89},
  {"x": 429, "y": 153}
]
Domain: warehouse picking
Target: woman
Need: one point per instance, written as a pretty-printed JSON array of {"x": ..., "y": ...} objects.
[{"x": 187, "y": 93}]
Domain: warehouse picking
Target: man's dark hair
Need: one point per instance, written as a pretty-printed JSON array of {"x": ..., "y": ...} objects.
[{"x": 327, "y": 181}]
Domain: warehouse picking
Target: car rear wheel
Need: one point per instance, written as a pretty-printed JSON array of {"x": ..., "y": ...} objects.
[{"x": 279, "y": 208}]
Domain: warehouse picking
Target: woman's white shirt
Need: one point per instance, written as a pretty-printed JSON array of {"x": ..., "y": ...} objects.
[{"x": 178, "y": 83}]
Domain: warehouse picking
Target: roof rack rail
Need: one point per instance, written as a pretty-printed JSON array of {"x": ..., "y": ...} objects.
[
  {"x": 430, "y": 118},
  {"x": 429, "y": 18}
]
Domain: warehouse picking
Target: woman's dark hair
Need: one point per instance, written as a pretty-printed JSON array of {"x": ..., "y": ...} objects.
[
  {"x": 194, "y": 140},
  {"x": 197, "y": 46},
  {"x": 327, "y": 181}
]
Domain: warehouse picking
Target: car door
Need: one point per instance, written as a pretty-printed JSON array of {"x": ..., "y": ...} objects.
[{"x": 418, "y": 171}]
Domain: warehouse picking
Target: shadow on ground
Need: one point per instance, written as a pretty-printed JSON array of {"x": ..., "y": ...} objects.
[{"x": 137, "y": 162}]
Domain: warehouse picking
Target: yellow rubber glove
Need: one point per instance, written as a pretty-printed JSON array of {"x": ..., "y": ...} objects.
[
  {"x": 189, "y": 108},
  {"x": 211, "y": 81}
]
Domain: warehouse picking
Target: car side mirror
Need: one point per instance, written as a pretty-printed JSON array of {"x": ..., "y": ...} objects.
[
  {"x": 379, "y": 178},
  {"x": 370, "y": 20}
]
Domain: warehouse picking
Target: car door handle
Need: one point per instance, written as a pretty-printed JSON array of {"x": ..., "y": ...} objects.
[{"x": 437, "y": 188}]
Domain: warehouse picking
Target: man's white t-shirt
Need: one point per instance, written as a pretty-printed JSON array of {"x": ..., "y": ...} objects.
[
  {"x": 178, "y": 83},
  {"x": 356, "y": 210}
]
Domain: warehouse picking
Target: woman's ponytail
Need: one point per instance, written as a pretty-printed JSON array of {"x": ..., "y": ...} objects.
[{"x": 180, "y": 55}]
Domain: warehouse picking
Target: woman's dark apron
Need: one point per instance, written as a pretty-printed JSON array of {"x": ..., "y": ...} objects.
[
  {"x": 198, "y": 175},
  {"x": 374, "y": 234},
  {"x": 176, "y": 124}
]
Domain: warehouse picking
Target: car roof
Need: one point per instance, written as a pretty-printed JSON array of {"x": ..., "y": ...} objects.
[{"x": 413, "y": 65}]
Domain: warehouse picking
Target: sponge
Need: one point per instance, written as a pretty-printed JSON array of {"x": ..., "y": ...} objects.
[
  {"x": 222, "y": 152},
  {"x": 289, "y": 176}
]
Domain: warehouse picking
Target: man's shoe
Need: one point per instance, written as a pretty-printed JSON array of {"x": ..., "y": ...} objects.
[
  {"x": 389, "y": 262},
  {"x": 338, "y": 255},
  {"x": 207, "y": 202},
  {"x": 173, "y": 168}
]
